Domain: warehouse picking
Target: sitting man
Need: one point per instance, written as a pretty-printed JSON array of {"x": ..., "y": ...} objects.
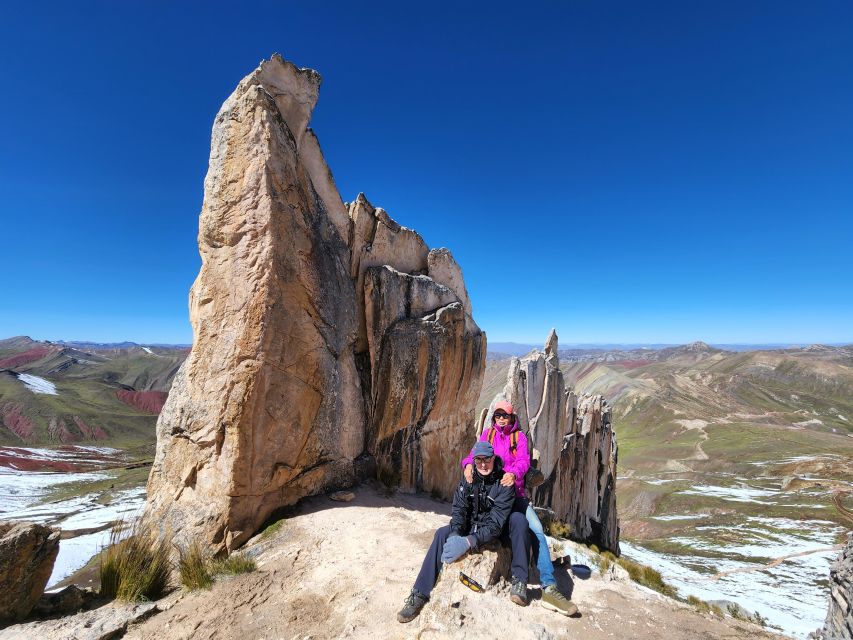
[{"x": 480, "y": 513}]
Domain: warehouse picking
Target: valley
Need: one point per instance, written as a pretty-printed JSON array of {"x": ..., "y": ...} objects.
[{"x": 734, "y": 467}]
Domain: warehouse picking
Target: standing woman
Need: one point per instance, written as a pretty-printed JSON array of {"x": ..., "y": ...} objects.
[{"x": 510, "y": 444}]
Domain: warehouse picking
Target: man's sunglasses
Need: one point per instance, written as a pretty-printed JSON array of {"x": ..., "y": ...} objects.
[{"x": 470, "y": 583}]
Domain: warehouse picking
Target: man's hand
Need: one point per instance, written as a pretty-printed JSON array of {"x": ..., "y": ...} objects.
[
  {"x": 454, "y": 548},
  {"x": 508, "y": 480},
  {"x": 469, "y": 473}
]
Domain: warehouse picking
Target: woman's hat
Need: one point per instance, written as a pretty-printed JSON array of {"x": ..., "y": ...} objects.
[{"x": 505, "y": 406}]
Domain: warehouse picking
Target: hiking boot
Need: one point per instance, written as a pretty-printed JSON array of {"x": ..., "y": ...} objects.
[
  {"x": 555, "y": 601},
  {"x": 412, "y": 607},
  {"x": 518, "y": 593}
]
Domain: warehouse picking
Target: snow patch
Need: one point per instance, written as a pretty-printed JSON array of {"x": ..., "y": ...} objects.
[
  {"x": 22, "y": 495},
  {"x": 806, "y": 423},
  {"x": 741, "y": 493},
  {"x": 37, "y": 385},
  {"x": 692, "y": 424},
  {"x": 147, "y": 350}
]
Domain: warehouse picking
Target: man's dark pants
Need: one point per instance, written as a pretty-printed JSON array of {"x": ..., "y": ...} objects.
[{"x": 514, "y": 533}]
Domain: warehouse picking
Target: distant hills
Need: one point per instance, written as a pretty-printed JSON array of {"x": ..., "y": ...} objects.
[
  {"x": 682, "y": 403},
  {"x": 54, "y": 393},
  {"x": 508, "y": 349}
]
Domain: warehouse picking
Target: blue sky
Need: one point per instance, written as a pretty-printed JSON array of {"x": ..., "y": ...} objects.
[{"x": 624, "y": 172}]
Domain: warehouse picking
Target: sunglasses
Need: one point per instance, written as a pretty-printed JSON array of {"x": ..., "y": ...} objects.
[
  {"x": 483, "y": 459},
  {"x": 470, "y": 583},
  {"x": 501, "y": 415}
]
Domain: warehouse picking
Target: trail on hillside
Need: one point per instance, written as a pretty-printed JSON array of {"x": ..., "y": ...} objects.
[{"x": 777, "y": 561}]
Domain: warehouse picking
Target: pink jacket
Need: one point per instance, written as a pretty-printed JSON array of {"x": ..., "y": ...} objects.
[{"x": 518, "y": 463}]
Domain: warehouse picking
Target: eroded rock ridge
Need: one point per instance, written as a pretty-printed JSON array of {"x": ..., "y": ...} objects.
[
  {"x": 839, "y": 617},
  {"x": 329, "y": 341},
  {"x": 575, "y": 444}
]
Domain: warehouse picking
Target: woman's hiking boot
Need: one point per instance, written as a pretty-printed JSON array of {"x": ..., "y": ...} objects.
[
  {"x": 518, "y": 593},
  {"x": 412, "y": 607},
  {"x": 555, "y": 601}
]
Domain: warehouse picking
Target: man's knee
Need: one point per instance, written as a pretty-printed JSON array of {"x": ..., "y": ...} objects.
[
  {"x": 442, "y": 533},
  {"x": 517, "y": 522}
]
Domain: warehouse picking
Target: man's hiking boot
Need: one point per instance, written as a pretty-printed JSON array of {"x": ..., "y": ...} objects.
[
  {"x": 518, "y": 593},
  {"x": 555, "y": 601},
  {"x": 412, "y": 607}
]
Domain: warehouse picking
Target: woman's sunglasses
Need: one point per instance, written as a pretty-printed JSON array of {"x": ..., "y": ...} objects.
[{"x": 501, "y": 415}]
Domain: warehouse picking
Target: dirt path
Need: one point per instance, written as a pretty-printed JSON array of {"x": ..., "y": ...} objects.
[
  {"x": 844, "y": 512},
  {"x": 697, "y": 425},
  {"x": 776, "y": 561},
  {"x": 342, "y": 570}
]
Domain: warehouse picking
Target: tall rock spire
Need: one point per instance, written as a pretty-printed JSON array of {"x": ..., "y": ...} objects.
[{"x": 324, "y": 348}]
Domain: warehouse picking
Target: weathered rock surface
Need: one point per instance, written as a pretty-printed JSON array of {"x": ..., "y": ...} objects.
[
  {"x": 574, "y": 442},
  {"x": 839, "y": 617},
  {"x": 323, "y": 345},
  {"x": 103, "y": 623},
  {"x": 27, "y": 554}
]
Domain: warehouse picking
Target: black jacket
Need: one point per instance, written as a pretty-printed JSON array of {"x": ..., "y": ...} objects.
[{"x": 482, "y": 507}]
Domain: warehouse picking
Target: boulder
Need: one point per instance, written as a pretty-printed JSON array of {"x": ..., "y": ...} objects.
[
  {"x": 839, "y": 617},
  {"x": 104, "y": 623},
  {"x": 27, "y": 553},
  {"x": 574, "y": 440},
  {"x": 69, "y": 600},
  {"x": 322, "y": 348}
]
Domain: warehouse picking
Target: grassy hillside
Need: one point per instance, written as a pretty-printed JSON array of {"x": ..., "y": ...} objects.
[
  {"x": 687, "y": 414},
  {"x": 54, "y": 394}
]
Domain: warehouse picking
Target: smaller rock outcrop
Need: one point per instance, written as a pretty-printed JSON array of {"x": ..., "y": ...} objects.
[
  {"x": 574, "y": 442},
  {"x": 839, "y": 618},
  {"x": 27, "y": 553}
]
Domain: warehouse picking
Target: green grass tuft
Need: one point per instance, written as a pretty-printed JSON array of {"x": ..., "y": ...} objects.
[
  {"x": 557, "y": 529},
  {"x": 704, "y": 607},
  {"x": 273, "y": 529},
  {"x": 136, "y": 567},
  {"x": 234, "y": 565},
  {"x": 647, "y": 576},
  {"x": 194, "y": 567}
]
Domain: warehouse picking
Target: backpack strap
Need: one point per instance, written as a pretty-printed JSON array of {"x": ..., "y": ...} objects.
[{"x": 513, "y": 439}]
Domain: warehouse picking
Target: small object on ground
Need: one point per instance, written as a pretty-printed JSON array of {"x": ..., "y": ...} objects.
[
  {"x": 581, "y": 571},
  {"x": 555, "y": 601},
  {"x": 412, "y": 606},
  {"x": 342, "y": 496},
  {"x": 472, "y": 584},
  {"x": 563, "y": 560},
  {"x": 518, "y": 593}
]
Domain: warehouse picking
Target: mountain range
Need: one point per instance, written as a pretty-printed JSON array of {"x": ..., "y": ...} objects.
[{"x": 57, "y": 393}]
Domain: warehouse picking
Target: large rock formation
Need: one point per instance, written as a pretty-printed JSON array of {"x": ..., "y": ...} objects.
[
  {"x": 328, "y": 340},
  {"x": 575, "y": 444},
  {"x": 839, "y": 617},
  {"x": 27, "y": 554}
]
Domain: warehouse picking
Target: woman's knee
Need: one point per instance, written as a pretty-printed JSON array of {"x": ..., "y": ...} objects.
[{"x": 533, "y": 521}]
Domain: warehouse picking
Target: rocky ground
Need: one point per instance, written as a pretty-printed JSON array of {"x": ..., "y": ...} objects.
[{"x": 342, "y": 570}]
